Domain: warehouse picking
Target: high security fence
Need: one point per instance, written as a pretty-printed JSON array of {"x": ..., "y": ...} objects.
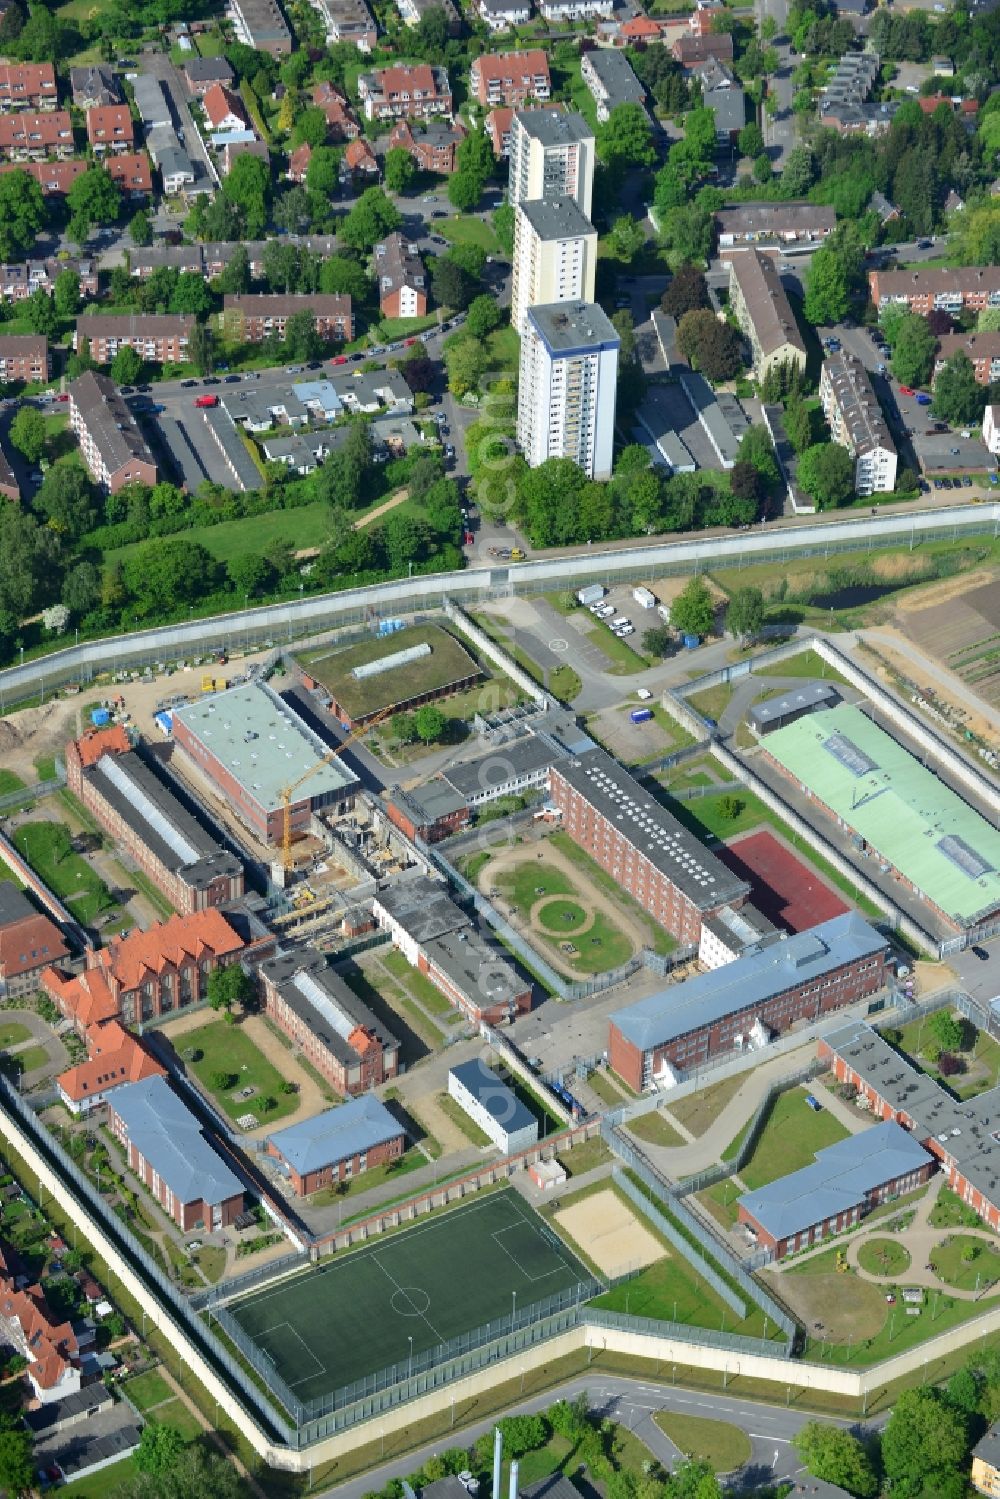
[
  {"x": 238, "y": 1285},
  {"x": 732, "y": 1167}
]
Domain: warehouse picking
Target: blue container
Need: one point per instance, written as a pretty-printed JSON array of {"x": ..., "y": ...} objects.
[
  {"x": 641, "y": 715},
  {"x": 100, "y": 717},
  {"x": 692, "y": 642}
]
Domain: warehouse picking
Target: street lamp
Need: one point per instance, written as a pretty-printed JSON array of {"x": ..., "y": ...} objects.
[
  {"x": 409, "y": 1370},
  {"x": 513, "y": 1309}
]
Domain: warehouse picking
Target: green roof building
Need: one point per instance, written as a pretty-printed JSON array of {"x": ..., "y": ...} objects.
[{"x": 903, "y": 811}]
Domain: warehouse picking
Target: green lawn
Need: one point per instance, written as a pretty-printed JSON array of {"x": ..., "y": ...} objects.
[
  {"x": 565, "y": 684},
  {"x": 391, "y": 329},
  {"x": 30, "y": 1058},
  {"x": 790, "y": 1139},
  {"x": 175, "y": 1413},
  {"x": 148, "y": 1389},
  {"x": 9, "y": 782},
  {"x": 884, "y": 1257},
  {"x": 951, "y": 1212},
  {"x": 104, "y": 1484},
  {"x": 654, "y": 1129},
  {"x": 228, "y": 1049},
  {"x": 418, "y": 984},
  {"x": 584, "y": 1157},
  {"x": 658, "y": 939},
  {"x": 47, "y": 848},
  {"x": 607, "y": 1091},
  {"x": 12, "y": 1033},
  {"x": 720, "y": 1199},
  {"x": 45, "y": 767},
  {"x": 410, "y": 1160},
  {"x": 806, "y": 663},
  {"x": 464, "y": 229},
  {"x": 308, "y": 526},
  {"x": 951, "y": 1265},
  {"x": 712, "y": 702},
  {"x": 623, "y": 658},
  {"x": 469, "y": 1128},
  {"x": 982, "y": 1059},
  {"x": 724, "y": 1447},
  {"x": 697, "y": 1111}
]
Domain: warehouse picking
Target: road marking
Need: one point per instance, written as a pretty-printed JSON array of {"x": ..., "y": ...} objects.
[
  {"x": 764, "y": 1437},
  {"x": 559, "y": 646}
]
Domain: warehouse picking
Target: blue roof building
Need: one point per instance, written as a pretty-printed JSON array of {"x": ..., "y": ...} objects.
[
  {"x": 169, "y": 1151},
  {"x": 844, "y": 1182},
  {"x": 497, "y": 1110},
  {"x": 337, "y": 1144}
]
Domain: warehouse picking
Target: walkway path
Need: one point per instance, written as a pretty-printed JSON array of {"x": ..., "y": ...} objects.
[
  {"x": 213, "y": 1435},
  {"x": 920, "y": 1240},
  {"x": 950, "y": 684}
]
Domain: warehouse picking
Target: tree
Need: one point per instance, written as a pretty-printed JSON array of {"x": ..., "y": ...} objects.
[
  {"x": 745, "y": 614},
  {"x": 451, "y": 284},
  {"x": 744, "y": 481},
  {"x": 827, "y": 292},
  {"x": 751, "y": 140},
  {"x": 140, "y": 229},
  {"x": 686, "y": 233},
  {"x": 310, "y": 127},
  {"x": 464, "y": 191},
  {"x": 181, "y": 571},
  {"x": 523, "y": 1434},
  {"x": 482, "y": 317},
  {"x": 249, "y": 574},
  {"x": 323, "y": 171},
  {"x": 27, "y": 433},
  {"x": 66, "y": 499},
  {"x": 371, "y": 219},
  {"x": 430, "y": 723},
  {"x": 712, "y": 347},
  {"x": 946, "y": 1030},
  {"x": 826, "y": 473},
  {"x": 66, "y": 293},
  {"x": 958, "y": 396},
  {"x": 40, "y": 313},
  {"x": 503, "y": 226},
  {"x": 837, "y": 1457},
  {"x": 294, "y": 210},
  {"x": 228, "y": 986},
  {"x": 81, "y": 590},
  {"x": 693, "y": 610},
  {"x": 923, "y": 1444},
  {"x": 191, "y": 294},
  {"x": 22, "y": 213},
  {"x": 912, "y": 350},
  {"x": 799, "y": 171},
  {"x": 201, "y": 348},
  {"x": 631, "y": 377},
  {"x": 126, "y": 367},
  {"x": 159, "y": 1447},
  {"x": 94, "y": 197},
  {"x": 626, "y": 238},
  {"x": 17, "y": 1467},
  {"x": 302, "y": 342},
  {"x": 762, "y": 169},
  {"x": 248, "y": 187},
  {"x": 626, "y": 138},
  {"x": 400, "y": 169},
  {"x": 687, "y": 292},
  {"x": 658, "y": 641}
]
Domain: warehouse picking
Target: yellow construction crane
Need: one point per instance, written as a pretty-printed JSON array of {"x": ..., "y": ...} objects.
[{"x": 289, "y": 791}]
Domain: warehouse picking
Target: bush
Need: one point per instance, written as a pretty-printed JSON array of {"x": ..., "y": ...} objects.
[
  {"x": 223, "y": 1081},
  {"x": 948, "y": 1064}
]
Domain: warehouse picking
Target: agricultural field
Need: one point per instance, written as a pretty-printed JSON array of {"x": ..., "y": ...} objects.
[{"x": 963, "y": 633}]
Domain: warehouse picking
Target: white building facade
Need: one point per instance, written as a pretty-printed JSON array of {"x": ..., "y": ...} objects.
[
  {"x": 567, "y": 387},
  {"x": 551, "y": 156},
  {"x": 555, "y": 256}
]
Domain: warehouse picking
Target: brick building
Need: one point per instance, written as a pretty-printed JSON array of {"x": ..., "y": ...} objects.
[
  {"x": 55, "y": 178},
  {"x": 430, "y": 812},
  {"x": 959, "y": 1133},
  {"x": 9, "y": 487},
  {"x": 836, "y": 1192},
  {"x": 405, "y": 92},
  {"x": 653, "y": 856},
  {"x": 744, "y": 1003},
  {"x": 254, "y": 318},
  {"x": 437, "y": 938},
  {"x": 130, "y": 171},
  {"x": 234, "y": 738},
  {"x": 109, "y": 128},
  {"x": 511, "y": 78},
  {"x": 116, "y": 1059},
  {"x": 981, "y": 349},
  {"x": 28, "y": 85},
  {"x": 937, "y": 288},
  {"x": 341, "y": 121},
  {"x": 146, "y": 974},
  {"x": 338, "y": 1145},
  {"x": 23, "y": 356},
  {"x": 111, "y": 443},
  {"x": 173, "y": 1156},
  {"x": 29, "y": 943},
  {"x": 33, "y": 135},
  {"x": 144, "y": 816},
  {"x": 201, "y": 72},
  {"x": 434, "y": 148},
  {"x": 157, "y": 337},
  {"x": 335, "y": 1031},
  {"x": 19, "y": 281}
]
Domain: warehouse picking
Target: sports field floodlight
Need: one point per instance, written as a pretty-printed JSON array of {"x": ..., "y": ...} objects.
[
  {"x": 497, "y": 1460},
  {"x": 512, "y": 1493}
]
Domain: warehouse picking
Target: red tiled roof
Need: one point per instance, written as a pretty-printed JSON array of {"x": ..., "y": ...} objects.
[
  {"x": 359, "y": 153},
  {"x": 86, "y": 996},
  {"x": 299, "y": 160},
  {"x": 29, "y": 944},
  {"x": 97, "y": 742},
  {"x": 639, "y": 27},
  {"x": 109, "y": 122},
  {"x": 218, "y": 103},
  {"x": 28, "y": 130},
  {"x": 130, "y": 170},
  {"x": 202, "y": 934},
  {"x": 116, "y": 1058}
]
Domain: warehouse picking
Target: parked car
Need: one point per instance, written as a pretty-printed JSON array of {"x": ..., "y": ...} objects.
[
  {"x": 211, "y": 380},
  {"x": 233, "y": 379},
  {"x": 185, "y": 384},
  {"x": 625, "y": 630},
  {"x": 339, "y": 359},
  {"x": 923, "y": 399},
  {"x": 814, "y": 1103},
  {"x": 981, "y": 954},
  {"x": 966, "y": 482},
  {"x": 907, "y": 390}
]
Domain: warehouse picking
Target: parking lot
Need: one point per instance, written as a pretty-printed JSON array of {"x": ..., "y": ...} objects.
[{"x": 622, "y": 605}]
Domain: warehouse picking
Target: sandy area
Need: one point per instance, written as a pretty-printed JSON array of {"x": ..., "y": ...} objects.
[
  {"x": 943, "y": 592},
  {"x": 610, "y": 1234}
]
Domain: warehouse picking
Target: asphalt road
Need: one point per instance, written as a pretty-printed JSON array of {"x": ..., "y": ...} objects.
[
  {"x": 779, "y": 130},
  {"x": 633, "y": 1403}
]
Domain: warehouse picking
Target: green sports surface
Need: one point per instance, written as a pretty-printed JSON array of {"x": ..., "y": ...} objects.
[{"x": 436, "y": 1281}]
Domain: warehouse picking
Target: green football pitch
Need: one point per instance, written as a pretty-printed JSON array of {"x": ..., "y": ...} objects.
[{"x": 429, "y": 1284}]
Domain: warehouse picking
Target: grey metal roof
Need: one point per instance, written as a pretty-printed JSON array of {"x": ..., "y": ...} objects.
[
  {"x": 742, "y": 928},
  {"x": 150, "y": 100},
  {"x": 573, "y": 327},
  {"x": 747, "y": 983},
  {"x": 653, "y": 831},
  {"x": 425, "y": 804},
  {"x": 987, "y": 1449},
  {"x": 557, "y": 218},
  {"x": 104, "y": 413},
  {"x": 615, "y": 76},
  {"x": 553, "y": 126},
  {"x": 730, "y": 107},
  {"x": 519, "y": 758},
  {"x": 840, "y": 1178},
  {"x": 325, "y": 1003},
  {"x": 422, "y": 908},
  {"x": 493, "y": 1093},
  {"x": 336, "y": 1135},
  {"x": 851, "y": 387},
  {"x": 168, "y": 1136},
  {"x": 719, "y": 413},
  {"x": 797, "y": 699},
  {"x": 14, "y": 904},
  {"x": 478, "y": 971}
]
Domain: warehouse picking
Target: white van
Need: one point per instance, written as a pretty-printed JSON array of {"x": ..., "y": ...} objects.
[{"x": 664, "y": 613}]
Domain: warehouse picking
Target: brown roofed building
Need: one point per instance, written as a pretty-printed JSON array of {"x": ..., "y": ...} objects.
[
  {"x": 510, "y": 78},
  {"x": 261, "y": 25},
  {"x": 774, "y": 223},
  {"x": 28, "y": 85},
  {"x": 109, "y": 128},
  {"x": 224, "y": 110},
  {"x": 945, "y": 288},
  {"x": 498, "y": 126},
  {"x": 49, "y": 1347},
  {"x": 434, "y": 148},
  {"x": 342, "y": 123},
  {"x": 402, "y": 281},
  {"x": 29, "y": 943},
  {"x": 298, "y": 162},
  {"x": 690, "y": 50},
  {"x": 19, "y": 280},
  {"x": 640, "y": 28},
  {"x": 251, "y": 319},
  {"x": 233, "y": 149},
  {"x": 116, "y": 1059},
  {"x": 9, "y": 487},
  {"x": 112, "y": 446},
  {"x": 981, "y": 349},
  {"x": 359, "y": 159},
  {"x": 131, "y": 172},
  {"x": 27, "y": 136},
  {"x": 158, "y": 338},
  {"x": 405, "y": 92},
  {"x": 55, "y": 178},
  {"x": 24, "y": 356},
  {"x": 764, "y": 312}
]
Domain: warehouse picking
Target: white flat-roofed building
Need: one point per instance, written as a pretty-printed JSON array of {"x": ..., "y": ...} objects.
[
  {"x": 856, "y": 422},
  {"x": 551, "y": 156},
  {"x": 555, "y": 256},
  {"x": 488, "y": 1101},
  {"x": 567, "y": 386}
]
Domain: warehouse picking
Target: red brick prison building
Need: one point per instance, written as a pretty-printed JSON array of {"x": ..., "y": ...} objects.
[
  {"x": 650, "y": 854},
  {"x": 169, "y": 1151},
  {"x": 116, "y": 1060},
  {"x": 252, "y": 747},
  {"x": 742, "y": 1004},
  {"x": 24, "y": 356},
  {"x": 334, "y": 1029},
  {"x": 437, "y": 938},
  {"x": 29, "y": 943},
  {"x": 144, "y": 817},
  {"x": 146, "y": 974},
  {"x": 430, "y": 812},
  {"x": 338, "y": 1145},
  {"x": 837, "y": 1191},
  {"x": 963, "y": 1136}
]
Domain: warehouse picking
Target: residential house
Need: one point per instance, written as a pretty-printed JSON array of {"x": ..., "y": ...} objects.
[
  {"x": 236, "y": 148},
  {"x": 502, "y": 15},
  {"x": 413, "y": 12},
  {"x": 224, "y": 110},
  {"x": 401, "y": 279},
  {"x": 158, "y": 338},
  {"x": 982, "y": 349},
  {"x": 31, "y": 136},
  {"x": 498, "y": 127},
  {"x": 201, "y": 72},
  {"x": 254, "y": 318},
  {"x": 777, "y": 224},
  {"x": 111, "y": 443},
  {"x": 342, "y": 123},
  {"x": 639, "y": 30},
  {"x": 94, "y": 85},
  {"x": 575, "y": 10},
  {"x": 611, "y": 81},
  {"x": 298, "y": 162},
  {"x": 131, "y": 172},
  {"x": 511, "y": 78},
  {"x": 260, "y": 24},
  {"x": 762, "y": 309},
  {"x": 28, "y": 85},
  {"x": 55, "y": 178},
  {"x": 29, "y": 941},
  {"x": 405, "y": 92},
  {"x": 689, "y": 51},
  {"x": 856, "y": 422},
  {"x": 173, "y": 1155},
  {"x": 887, "y": 212},
  {"x": 23, "y": 357},
  {"x": 702, "y": 21},
  {"x": 49, "y": 1347},
  {"x": 109, "y": 128},
  {"x": 434, "y": 149},
  {"x": 946, "y": 288},
  {"x": 360, "y": 160},
  {"x": 348, "y": 21}
]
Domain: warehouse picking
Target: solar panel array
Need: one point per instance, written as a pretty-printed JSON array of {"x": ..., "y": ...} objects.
[{"x": 846, "y": 751}]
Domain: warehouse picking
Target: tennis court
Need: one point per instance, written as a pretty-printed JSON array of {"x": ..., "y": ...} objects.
[{"x": 431, "y": 1283}]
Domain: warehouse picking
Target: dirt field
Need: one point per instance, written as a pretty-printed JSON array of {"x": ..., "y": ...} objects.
[
  {"x": 788, "y": 892},
  {"x": 962, "y": 631},
  {"x": 609, "y": 1233}
]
